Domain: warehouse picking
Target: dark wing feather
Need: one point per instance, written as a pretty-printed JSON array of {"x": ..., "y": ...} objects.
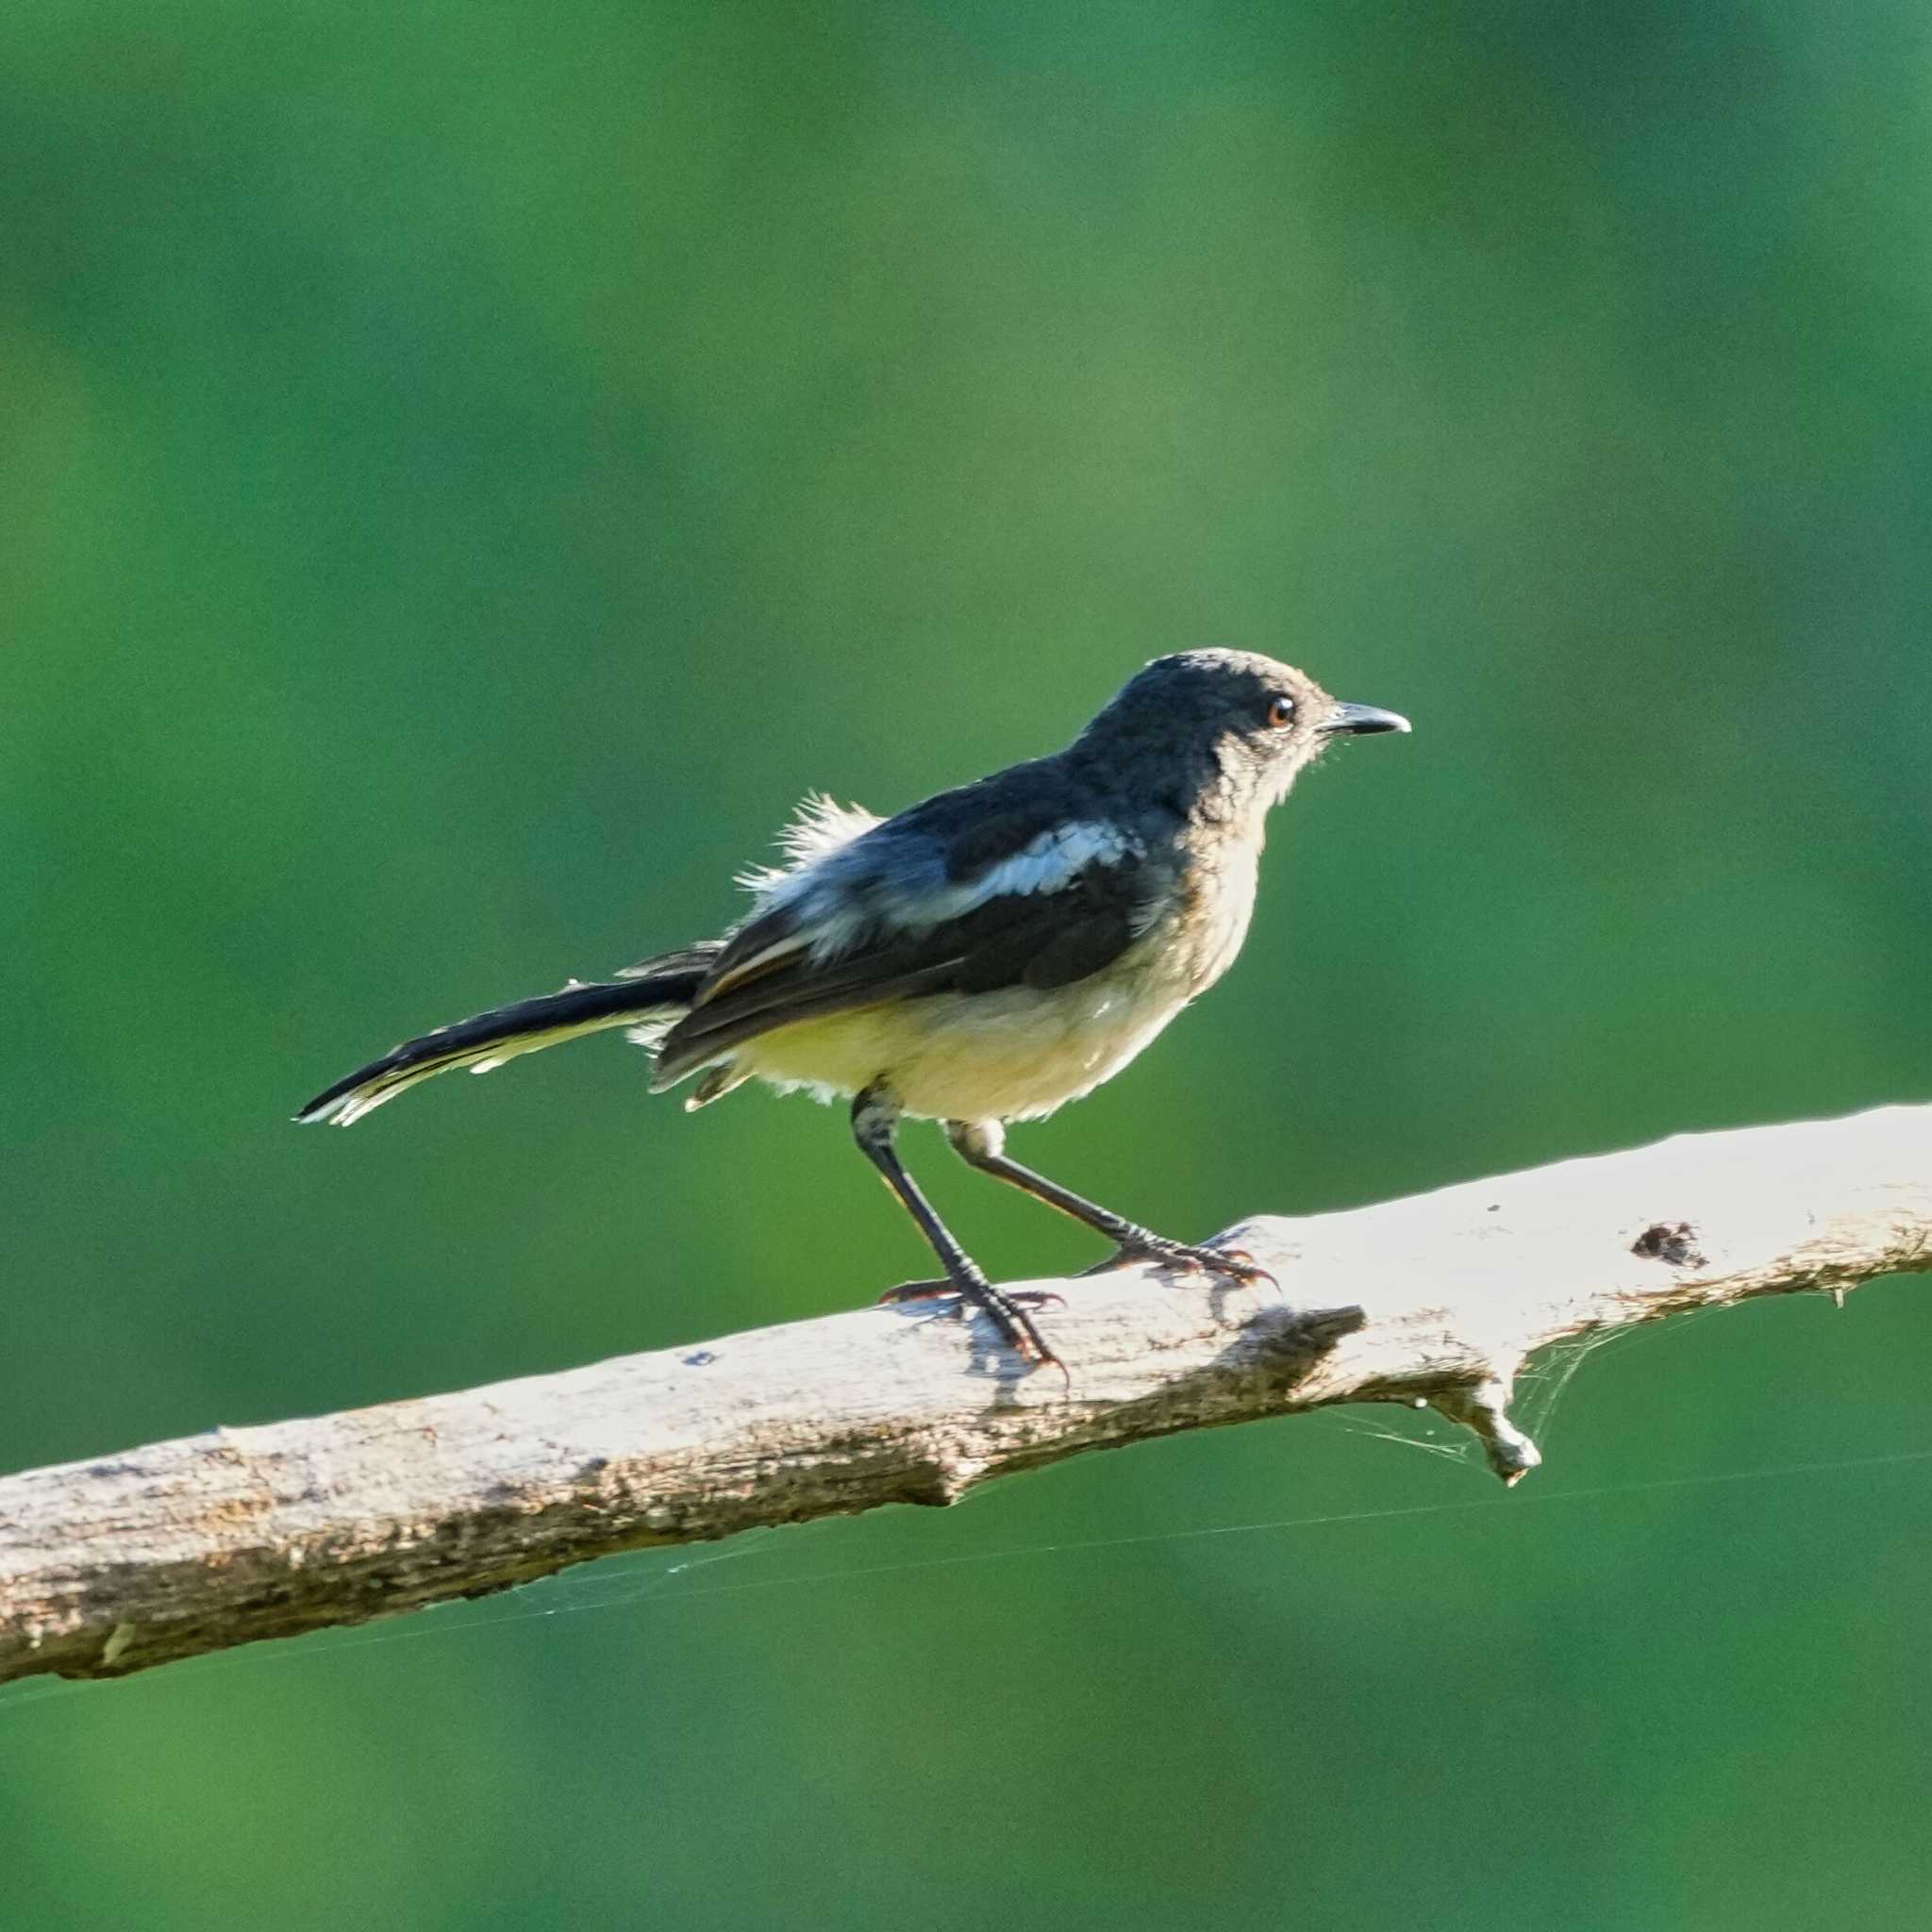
[
  {"x": 1077, "y": 944},
  {"x": 1043, "y": 939},
  {"x": 943, "y": 841},
  {"x": 700, "y": 958}
]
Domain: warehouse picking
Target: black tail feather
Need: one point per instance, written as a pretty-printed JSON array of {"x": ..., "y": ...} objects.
[{"x": 662, "y": 990}]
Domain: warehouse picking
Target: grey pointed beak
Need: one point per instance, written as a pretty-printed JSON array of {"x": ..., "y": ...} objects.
[{"x": 1363, "y": 719}]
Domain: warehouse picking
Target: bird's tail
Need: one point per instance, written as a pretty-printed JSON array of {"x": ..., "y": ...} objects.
[{"x": 649, "y": 1001}]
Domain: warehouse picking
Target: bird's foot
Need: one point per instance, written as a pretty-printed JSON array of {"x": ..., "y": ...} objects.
[
  {"x": 949, "y": 1290},
  {"x": 1008, "y": 1308},
  {"x": 1229, "y": 1264}
]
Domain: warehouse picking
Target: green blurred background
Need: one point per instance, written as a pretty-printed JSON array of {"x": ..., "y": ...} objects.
[{"x": 467, "y": 467}]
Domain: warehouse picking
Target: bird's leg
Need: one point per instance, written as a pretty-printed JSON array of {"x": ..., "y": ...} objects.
[
  {"x": 982, "y": 1144},
  {"x": 875, "y": 1122}
]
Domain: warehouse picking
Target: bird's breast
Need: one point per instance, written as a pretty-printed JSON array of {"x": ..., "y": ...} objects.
[{"x": 1214, "y": 906}]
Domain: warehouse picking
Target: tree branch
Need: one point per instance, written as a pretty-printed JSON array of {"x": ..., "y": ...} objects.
[{"x": 111, "y": 1566}]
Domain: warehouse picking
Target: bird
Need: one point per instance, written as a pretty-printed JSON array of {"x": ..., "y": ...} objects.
[{"x": 981, "y": 958}]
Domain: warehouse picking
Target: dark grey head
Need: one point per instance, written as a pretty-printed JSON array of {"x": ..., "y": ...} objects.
[{"x": 1235, "y": 721}]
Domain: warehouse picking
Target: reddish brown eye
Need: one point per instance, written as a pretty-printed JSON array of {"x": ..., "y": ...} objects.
[{"x": 1281, "y": 713}]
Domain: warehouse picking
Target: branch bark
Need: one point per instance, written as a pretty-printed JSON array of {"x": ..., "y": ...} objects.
[{"x": 111, "y": 1566}]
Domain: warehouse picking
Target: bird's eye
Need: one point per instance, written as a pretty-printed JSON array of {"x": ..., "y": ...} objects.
[{"x": 1280, "y": 713}]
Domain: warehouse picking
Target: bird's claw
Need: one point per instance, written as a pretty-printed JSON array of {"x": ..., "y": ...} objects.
[
  {"x": 1238, "y": 1263},
  {"x": 945, "y": 1291},
  {"x": 1233, "y": 1264},
  {"x": 1006, "y": 1305},
  {"x": 917, "y": 1292}
]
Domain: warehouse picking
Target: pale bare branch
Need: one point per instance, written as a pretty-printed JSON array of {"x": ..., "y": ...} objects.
[{"x": 113, "y": 1565}]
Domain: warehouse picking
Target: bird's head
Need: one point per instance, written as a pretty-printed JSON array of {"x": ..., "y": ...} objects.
[{"x": 1234, "y": 726}]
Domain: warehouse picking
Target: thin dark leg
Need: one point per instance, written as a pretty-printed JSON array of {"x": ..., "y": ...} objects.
[
  {"x": 981, "y": 1145},
  {"x": 874, "y": 1120}
]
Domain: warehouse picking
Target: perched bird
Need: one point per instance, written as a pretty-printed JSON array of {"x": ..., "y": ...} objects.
[{"x": 982, "y": 957}]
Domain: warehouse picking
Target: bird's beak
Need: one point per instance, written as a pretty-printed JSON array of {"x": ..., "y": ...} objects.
[{"x": 1361, "y": 719}]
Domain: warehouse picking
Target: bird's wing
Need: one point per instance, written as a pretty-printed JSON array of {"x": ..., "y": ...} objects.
[
  {"x": 997, "y": 885},
  {"x": 858, "y": 880}
]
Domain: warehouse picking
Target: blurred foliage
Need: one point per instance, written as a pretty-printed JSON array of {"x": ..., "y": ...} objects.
[{"x": 467, "y": 467}]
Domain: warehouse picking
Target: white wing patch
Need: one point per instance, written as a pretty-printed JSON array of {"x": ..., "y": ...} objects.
[{"x": 1045, "y": 865}]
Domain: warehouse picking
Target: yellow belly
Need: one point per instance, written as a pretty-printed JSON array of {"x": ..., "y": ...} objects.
[{"x": 1012, "y": 1054}]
